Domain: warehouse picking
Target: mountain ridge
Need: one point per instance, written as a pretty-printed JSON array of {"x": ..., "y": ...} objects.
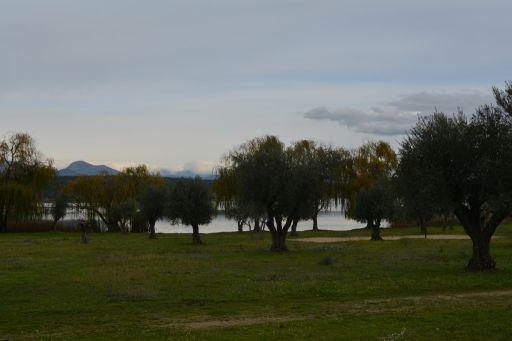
[{"x": 83, "y": 168}]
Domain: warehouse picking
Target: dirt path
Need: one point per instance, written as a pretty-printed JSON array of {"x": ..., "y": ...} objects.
[
  {"x": 357, "y": 307},
  {"x": 344, "y": 239}
]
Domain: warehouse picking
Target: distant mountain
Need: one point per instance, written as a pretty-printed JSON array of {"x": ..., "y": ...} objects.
[{"x": 79, "y": 168}]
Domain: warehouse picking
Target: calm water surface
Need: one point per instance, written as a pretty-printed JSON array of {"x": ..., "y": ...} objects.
[{"x": 326, "y": 221}]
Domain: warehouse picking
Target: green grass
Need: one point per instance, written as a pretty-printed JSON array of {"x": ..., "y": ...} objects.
[{"x": 128, "y": 287}]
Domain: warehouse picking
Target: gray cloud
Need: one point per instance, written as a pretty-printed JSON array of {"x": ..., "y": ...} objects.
[
  {"x": 426, "y": 102},
  {"x": 399, "y": 115},
  {"x": 378, "y": 122}
]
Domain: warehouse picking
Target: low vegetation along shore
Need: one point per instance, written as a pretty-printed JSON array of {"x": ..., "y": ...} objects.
[{"x": 124, "y": 286}]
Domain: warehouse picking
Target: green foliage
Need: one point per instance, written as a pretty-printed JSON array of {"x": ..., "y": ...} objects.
[
  {"x": 374, "y": 204},
  {"x": 283, "y": 185},
  {"x": 464, "y": 163},
  {"x": 190, "y": 202},
  {"x": 152, "y": 201}
]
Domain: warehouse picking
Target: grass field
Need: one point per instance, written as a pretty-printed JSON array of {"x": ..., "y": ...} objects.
[{"x": 126, "y": 287}]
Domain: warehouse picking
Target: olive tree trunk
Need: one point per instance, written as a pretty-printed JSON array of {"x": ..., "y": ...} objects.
[
  {"x": 480, "y": 227},
  {"x": 257, "y": 226},
  {"x": 375, "y": 226},
  {"x": 294, "y": 232},
  {"x": 152, "y": 232},
  {"x": 83, "y": 232},
  {"x": 423, "y": 227},
  {"x": 315, "y": 221},
  {"x": 481, "y": 258},
  {"x": 278, "y": 233},
  {"x": 196, "y": 239}
]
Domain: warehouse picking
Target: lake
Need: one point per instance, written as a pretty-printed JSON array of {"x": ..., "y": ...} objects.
[{"x": 326, "y": 221}]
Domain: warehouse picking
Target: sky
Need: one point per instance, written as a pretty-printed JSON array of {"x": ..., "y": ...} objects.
[{"x": 177, "y": 84}]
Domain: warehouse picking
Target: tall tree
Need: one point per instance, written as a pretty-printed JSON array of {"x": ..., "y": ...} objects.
[
  {"x": 271, "y": 179},
  {"x": 24, "y": 174},
  {"x": 152, "y": 201},
  {"x": 190, "y": 202},
  {"x": 466, "y": 163},
  {"x": 373, "y": 163},
  {"x": 333, "y": 170}
]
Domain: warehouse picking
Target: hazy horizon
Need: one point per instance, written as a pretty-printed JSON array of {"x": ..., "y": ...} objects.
[{"x": 176, "y": 84}]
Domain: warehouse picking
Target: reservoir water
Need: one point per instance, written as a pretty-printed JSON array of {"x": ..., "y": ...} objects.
[{"x": 326, "y": 221}]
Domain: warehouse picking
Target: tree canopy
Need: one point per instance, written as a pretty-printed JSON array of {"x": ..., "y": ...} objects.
[
  {"x": 190, "y": 202},
  {"x": 465, "y": 162}
]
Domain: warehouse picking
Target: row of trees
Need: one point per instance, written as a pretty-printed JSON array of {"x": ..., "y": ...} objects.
[
  {"x": 263, "y": 180},
  {"x": 447, "y": 164},
  {"x": 456, "y": 164},
  {"x": 134, "y": 200}
]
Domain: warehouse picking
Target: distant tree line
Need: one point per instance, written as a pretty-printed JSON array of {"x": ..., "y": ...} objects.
[{"x": 448, "y": 164}]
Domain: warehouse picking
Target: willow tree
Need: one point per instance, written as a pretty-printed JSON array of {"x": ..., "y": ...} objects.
[
  {"x": 98, "y": 196},
  {"x": 24, "y": 175},
  {"x": 227, "y": 197},
  {"x": 373, "y": 163},
  {"x": 333, "y": 174},
  {"x": 466, "y": 162},
  {"x": 304, "y": 188},
  {"x": 111, "y": 198}
]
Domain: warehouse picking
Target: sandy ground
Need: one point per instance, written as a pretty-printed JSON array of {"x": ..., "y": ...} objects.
[{"x": 344, "y": 239}]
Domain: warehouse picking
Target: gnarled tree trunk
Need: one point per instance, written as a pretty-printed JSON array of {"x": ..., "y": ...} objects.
[
  {"x": 315, "y": 221},
  {"x": 294, "y": 232},
  {"x": 83, "y": 232},
  {"x": 423, "y": 227},
  {"x": 152, "y": 232},
  {"x": 480, "y": 225},
  {"x": 278, "y": 233},
  {"x": 196, "y": 239},
  {"x": 481, "y": 258},
  {"x": 375, "y": 226},
  {"x": 257, "y": 226}
]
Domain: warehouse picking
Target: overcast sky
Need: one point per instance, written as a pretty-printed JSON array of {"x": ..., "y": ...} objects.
[{"x": 176, "y": 84}]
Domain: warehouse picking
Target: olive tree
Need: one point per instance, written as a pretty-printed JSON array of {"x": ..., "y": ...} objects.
[
  {"x": 152, "y": 201},
  {"x": 466, "y": 163},
  {"x": 374, "y": 204},
  {"x": 190, "y": 202},
  {"x": 271, "y": 179}
]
